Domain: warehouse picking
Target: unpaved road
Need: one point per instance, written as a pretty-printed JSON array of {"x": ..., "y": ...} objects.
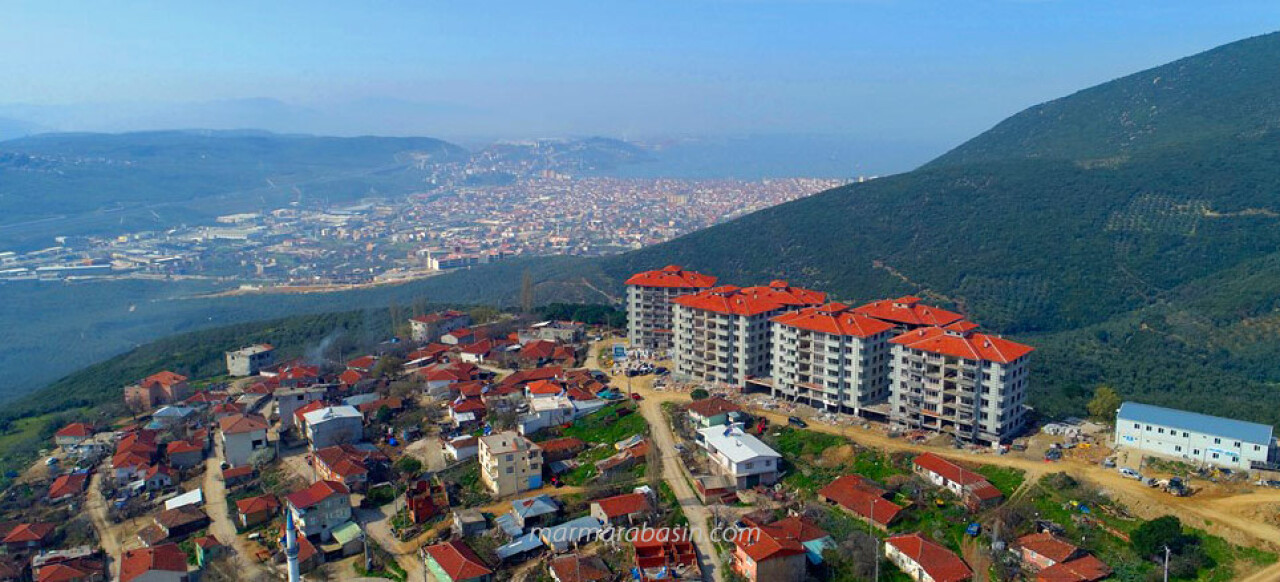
[
  {"x": 96, "y": 504},
  {"x": 221, "y": 526}
]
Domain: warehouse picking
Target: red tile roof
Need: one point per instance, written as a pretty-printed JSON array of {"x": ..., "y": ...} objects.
[
  {"x": 65, "y": 573},
  {"x": 165, "y": 378},
  {"x": 626, "y": 504},
  {"x": 1048, "y": 545},
  {"x": 164, "y": 557},
  {"x": 538, "y": 349},
  {"x": 69, "y": 484},
  {"x": 308, "y": 407},
  {"x": 672, "y": 276},
  {"x": 179, "y": 447},
  {"x": 317, "y": 492},
  {"x": 544, "y": 387},
  {"x": 526, "y": 376},
  {"x": 835, "y": 319},
  {"x": 937, "y": 561},
  {"x": 949, "y": 470},
  {"x": 237, "y": 472},
  {"x": 751, "y": 300},
  {"x": 467, "y": 405},
  {"x": 908, "y": 310},
  {"x": 575, "y": 568},
  {"x": 956, "y": 341},
  {"x": 351, "y": 377},
  {"x": 29, "y": 532},
  {"x": 800, "y": 529},
  {"x": 713, "y": 406},
  {"x": 764, "y": 543},
  {"x": 458, "y": 560},
  {"x": 561, "y": 444},
  {"x": 860, "y": 496},
  {"x": 251, "y": 505},
  {"x": 438, "y": 317},
  {"x": 365, "y": 363},
  {"x": 75, "y": 429},
  {"x": 241, "y": 423},
  {"x": 1085, "y": 569}
]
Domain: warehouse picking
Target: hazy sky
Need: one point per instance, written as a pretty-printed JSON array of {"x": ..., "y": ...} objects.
[{"x": 929, "y": 71}]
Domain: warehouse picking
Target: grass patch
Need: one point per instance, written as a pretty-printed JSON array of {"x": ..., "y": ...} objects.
[
  {"x": 1006, "y": 479},
  {"x": 608, "y": 425},
  {"x": 797, "y": 443}
]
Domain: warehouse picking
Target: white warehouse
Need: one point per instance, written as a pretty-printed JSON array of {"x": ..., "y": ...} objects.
[{"x": 1196, "y": 438}]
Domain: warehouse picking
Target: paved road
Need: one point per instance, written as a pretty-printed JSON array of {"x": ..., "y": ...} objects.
[
  {"x": 97, "y": 507},
  {"x": 221, "y": 526}
]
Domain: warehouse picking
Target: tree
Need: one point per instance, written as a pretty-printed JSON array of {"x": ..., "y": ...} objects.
[
  {"x": 1104, "y": 404},
  {"x": 409, "y": 466},
  {"x": 1151, "y": 537},
  {"x": 699, "y": 394},
  {"x": 526, "y": 293}
]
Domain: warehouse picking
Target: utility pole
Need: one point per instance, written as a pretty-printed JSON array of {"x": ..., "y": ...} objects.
[
  {"x": 1166, "y": 564},
  {"x": 875, "y": 543}
]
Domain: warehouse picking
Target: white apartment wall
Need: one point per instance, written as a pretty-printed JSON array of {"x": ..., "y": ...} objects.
[{"x": 1195, "y": 447}]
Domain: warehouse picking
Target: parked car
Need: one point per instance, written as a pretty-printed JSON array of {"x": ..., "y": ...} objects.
[
  {"x": 1130, "y": 473},
  {"x": 636, "y": 397},
  {"x": 798, "y": 422}
]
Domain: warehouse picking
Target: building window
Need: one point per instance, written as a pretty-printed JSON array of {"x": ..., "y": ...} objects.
[
  {"x": 1177, "y": 448},
  {"x": 1217, "y": 441}
]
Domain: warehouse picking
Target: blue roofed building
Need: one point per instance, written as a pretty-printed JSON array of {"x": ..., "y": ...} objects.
[{"x": 1193, "y": 437}]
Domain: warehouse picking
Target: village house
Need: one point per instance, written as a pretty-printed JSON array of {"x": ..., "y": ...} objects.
[
  {"x": 333, "y": 425},
  {"x": 509, "y": 463},
  {"x": 709, "y": 412},
  {"x": 184, "y": 454},
  {"x": 861, "y": 497},
  {"x": 1053, "y": 559},
  {"x": 972, "y": 488},
  {"x": 163, "y": 563},
  {"x": 429, "y": 328},
  {"x": 780, "y": 551},
  {"x": 351, "y": 465},
  {"x": 248, "y": 361},
  {"x": 26, "y": 537},
  {"x": 289, "y": 400},
  {"x": 174, "y": 525},
  {"x": 67, "y": 486},
  {"x": 561, "y": 448},
  {"x": 533, "y": 511},
  {"x": 73, "y": 435},
  {"x": 925, "y": 561},
  {"x": 665, "y": 553},
  {"x": 158, "y": 478},
  {"x": 157, "y": 389},
  {"x": 625, "y": 509},
  {"x": 455, "y": 561},
  {"x": 320, "y": 509},
  {"x": 740, "y": 456},
  {"x": 462, "y": 448},
  {"x": 575, "y": 568},
  {"x": 252, "y": 511},
  {"x": 77, "y": 564},
  {"x": 242, "y": 436}
]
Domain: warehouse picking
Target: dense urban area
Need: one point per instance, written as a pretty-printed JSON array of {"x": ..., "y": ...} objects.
[
  {"x": 527, "y": 199},
  {"x": 758, "y": 433}
]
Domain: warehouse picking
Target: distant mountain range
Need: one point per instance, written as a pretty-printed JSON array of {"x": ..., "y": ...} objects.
[{"x": 1130, "y": 231}]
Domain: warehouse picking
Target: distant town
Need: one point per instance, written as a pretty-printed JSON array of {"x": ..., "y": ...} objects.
[{"x": 488, "y": 209}]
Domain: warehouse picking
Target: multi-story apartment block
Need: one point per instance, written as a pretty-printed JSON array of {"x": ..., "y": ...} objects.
[
  {"x": 510, "y": 463},
  {"x": 831, "y": 358},
  {"x": 649, "y": 296},
  {"x": 955, "y": 380},
  {"x": 723, "y": 334},
  {"x": 907, "y": 313}
]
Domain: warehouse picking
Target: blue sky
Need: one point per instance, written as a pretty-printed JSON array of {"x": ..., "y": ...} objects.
[{"x": 936, "y": 72}]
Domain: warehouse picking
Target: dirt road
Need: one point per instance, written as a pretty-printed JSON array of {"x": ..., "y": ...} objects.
[
  {"x": 221, "y": 526},
  {"x": 377, "y": 525},
  {"x": 96, "y": 504},
  {"x": 694, "y": 510}
]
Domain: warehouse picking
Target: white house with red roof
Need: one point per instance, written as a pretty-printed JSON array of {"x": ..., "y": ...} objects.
[
  {"x": 628, "y": 509},
  {"x": 859, "y": 496},
  {"x": 73, "y": 435},
  {"x": 779, "y": 551},
  {"x": 831, "y": 357},
  {"x": 649, "y": 295},
  {"x": 242, "y": 436},
  {"x": 724, "y": 334},
  {"x": 972, "y": 488},
  {"x": 924, "y": 560},
  {"x": 320, "y": 508},
  {"x": 955, "y": 380}
]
